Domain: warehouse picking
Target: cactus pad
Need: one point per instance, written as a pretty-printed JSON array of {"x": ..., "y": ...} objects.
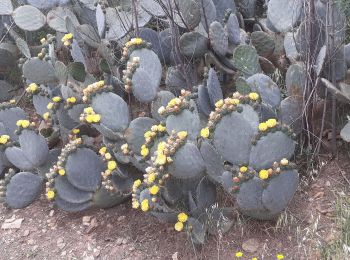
[
  {"x": 39, "y": 71},
  {"x": 29, "y": 18},
  {"x": 193, "y": 44},
  {"x": 246, "y": 60},
  {"x": 69, "y": 193}
]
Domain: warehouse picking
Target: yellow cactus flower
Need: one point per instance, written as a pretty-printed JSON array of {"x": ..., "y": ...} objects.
[
  {"x": 25, "y": 123},
  {"x": 137, "y": 41},
  {"x": 271, "y": 123},
  {"x": 205, "y": 132},
  {"x": 4, "y": 139},
  {"x": 12, "y": 101},
  {"x": 89, "y": 118},
  {"x": 100, "y": 83},
  {"x": 253, "y": 96},
  {"x": 32, "y": 88},
  {"x": 135, "y": 204},
  {"x": 46, "y": 115},
  {"x": 234, "y": 101},
  {"x": 111, "y": 165},
  {"x": 137, "y": 183},
  {"x": 243, "y": 169},
  {"x": 284, "y": 162},
  {"x": 219, "y": 103},
  {"x": 67, "y": 37},
  {"x": 161, "y": 159},
  {"x": 148, "y": 134},
  {"x": 161, "y": 146},
  {"x": 161, "y": 128},
  {"x": 76, "y": 131},
  {"x": 42, "y": 40},
  {"x": 145, "y": 205},
  {"x": 263, "y": 127},
  {"x": 280, "y": 256},
  {"x": 124, "y": 147},
  {"x": 264, "y": 174},
  {"x": 179, "y": 226},
  {"x": 88, "y": 110},
  {"x": 174, "y": 102},
  {"x": 154, "y": 190},
  {"x": 50, "y": 194},
  {"x": 62, "y": 172},
  {"x": 239, "y": 254},
  {"x": 182, "y": 134},
  {"x": 254, "y": 258},
  {"x": 56, "y": 99},
  {"x": 49, "y": 106},
  {"x": 71, "y": 100},
  {"x": 151, "y": 177},
  {"x": 144, "y": 150},
  {"x": 108, "y": 156},
  {"x": 182, "y": 217},
  {"x": 103, "y": 150},
  {"x": 96, "y": 118}
]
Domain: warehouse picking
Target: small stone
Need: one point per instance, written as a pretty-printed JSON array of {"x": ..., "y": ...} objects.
[
  {"x": 60, "y": 240},
  {"x": 86, "y": 220},
  {"x": 25, "y": 233},
  {"x": 90, "y": 257},
  {"x": 125, "y": 241},
  {"x": 121, "y": 218},
  {"x": 51, "y": 213},
  {"x": 132, "y": 248},
  {"x": 64, "y": 253},
  {"x": 12, "y": 223},
  {"x": 175, "y": 256},
  {"x": 328, "y": 183},
  {"x": 31, "y": 242},
  {"x": 35, "y": 248},
  {"x": 96, "y": 252},
  {"x": 119, "y": 241},
  {"x": 251, "y": 245}
]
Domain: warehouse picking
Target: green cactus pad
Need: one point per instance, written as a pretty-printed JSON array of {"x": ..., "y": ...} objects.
[
  {"x": 23, "y": 189},
  {"x": 89, "y": 35},
  {"x": 40, "y": 104},
  {"x": 75, "y": 112},
  {"x": 233, "y": 30},
  {"x": 248, "y": 8},
  {"x": 144, "y": 87},
  {"x": 295, "y": 79},
  {"x": 61, "y": 72},
  {"x": 263, "y": 43},
  {"x": 284, "y": 14},
  {"x": 190, "y": 11},
  {"x": 204, "y": 103},
  {"x": 193, "y": 44},
  {"x": 77, "y": 71},
  {"x": 246, "y": 60},
  {"x": 175, "y": 79},
  {"x": 134, "y": 134},
  {"x": 227, "y": 181},
  {"x": 50, "y": 161},
  {"x": 114, "y": 20},
  {"x": 268, "y": 90},
  {"x": 23, "y": 47},
  {"x": 187, "y": 162},
  {"x": 150, "y": 63},
  {"x": 222, "y": 7},
  {"x": 56, "y": 18},
  {"x": 290, "y": 47},
  {"x": 152, "y": 7},
  {"x": 291, "y": 112},
  {"x": 249, "y": 198},
  {"x": 46, "y": 4},
  {"x": 185, "y": 121},
  {"x": 65, "y": 120},
  {"x": 5, "y": 91},
  {"x": 208, "y": 13},
  {"x": 104, "y": 199},
  {"x": 214, "y": 87},
  {"x": 213, "y": 162},
  {"x": 29, "y": 18},
  {"x": 234, "y": 146},
  {"x": 218, "y": 38},
  {"x": 242, "y": 86},
  {"x": 205, "y": 194},
  {"x": 69, "y": 193},
  {"x": 9, "y": 118},
  {"x": 71, "y": 207},
  {"x": 266, "y": 66},
  {"x": 162, "y": 99},
  {"x": 271, "y": 148},
  {"x": 83, "y": 169},
  {"x": 197, "y": 231},
  {"x": 280, "y": 191},
  {"x": 39, "y": 71},
  {"x": 345, "y": 132},
  {"x": 17, "y": 157},
  {"x": 6, "y": 7},
  {"x": 113, "y": 110}
]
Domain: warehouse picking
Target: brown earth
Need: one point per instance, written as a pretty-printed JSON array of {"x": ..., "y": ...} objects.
[{"x": 123, "y": 233}]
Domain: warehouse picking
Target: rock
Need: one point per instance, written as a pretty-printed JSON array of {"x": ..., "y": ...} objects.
[
  {"x": 31, "y": 242},
  {"x": 174, "y": 256},
  {"x": 86, "y": 220},
  {"x": 51, "y": 213},
  {"x": 121, "y": 218},
  {"x": 251, "y": 245},
  {"x": 90, "y": 257},
  {"x": 328, "y": 183},
  {"x": 96, "y": 252},
  {"x": 119, "y": 241},
  {"x": 25, "y": 233},
  {"x": 12, "y": 223}
]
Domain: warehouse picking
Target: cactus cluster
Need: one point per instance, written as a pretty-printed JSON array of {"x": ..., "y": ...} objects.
[{"x": 164, "y": 116}]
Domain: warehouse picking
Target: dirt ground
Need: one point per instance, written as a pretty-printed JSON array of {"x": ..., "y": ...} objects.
[{"x": 123, "y": 233}]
